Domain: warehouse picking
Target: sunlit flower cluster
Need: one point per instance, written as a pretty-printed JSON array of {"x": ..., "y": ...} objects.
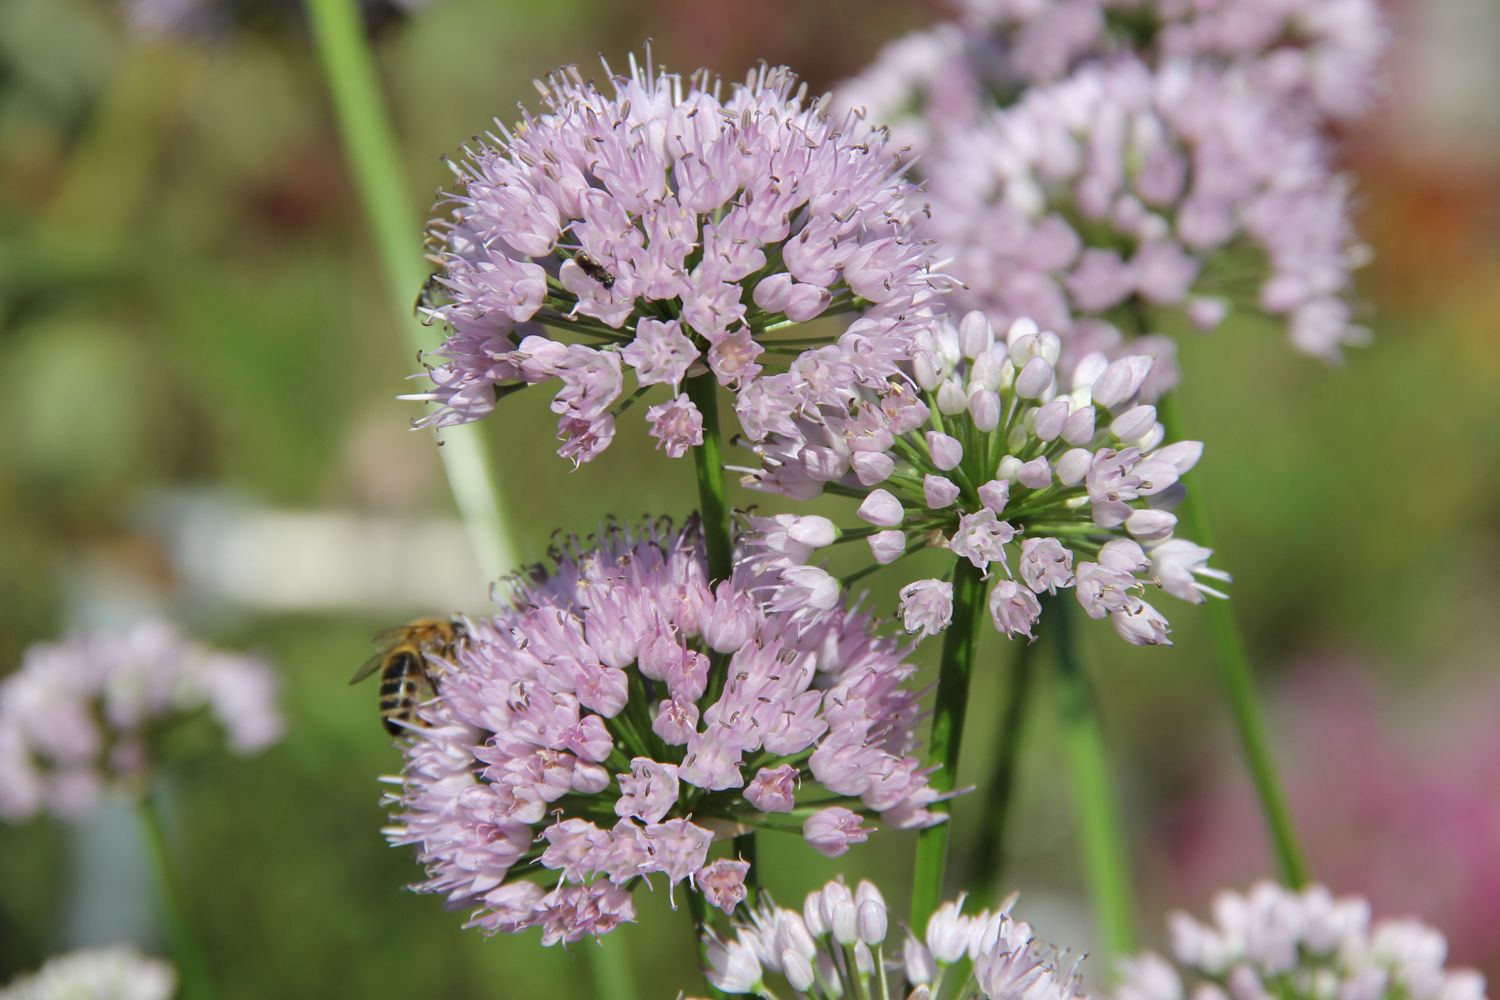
[
  {"x": 837, "y": 947},
  {"x": 91, "y": 713},
  {"x": 1039, "y": 483},
  {"x": 96, "y": 974},
  {"x": 1274, "y": 941},
  {"x": 665, "y": 228},
  {"x": 622, "y": 716}
]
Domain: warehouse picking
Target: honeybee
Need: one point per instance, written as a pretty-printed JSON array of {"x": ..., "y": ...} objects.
[
  {"x": 594, "y": 269},
  {"x": 401, "y": 657}
]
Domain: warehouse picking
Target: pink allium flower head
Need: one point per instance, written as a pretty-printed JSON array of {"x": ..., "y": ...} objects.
[
  {"x": 769, "y": 944},
  {"x": 665, "y": 226},
  {"x": 86, "y": 714},
  {"x": 1056, "y": 208},
  {"x": 1072, "y": 490},
  {"x": 619, "y": 717},
  {"x": 1302, "y": 943},
  {"x": 114, "y": 973}
]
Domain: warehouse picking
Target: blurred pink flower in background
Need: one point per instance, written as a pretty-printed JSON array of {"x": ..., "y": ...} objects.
[{"x": 1399, "y": 806}]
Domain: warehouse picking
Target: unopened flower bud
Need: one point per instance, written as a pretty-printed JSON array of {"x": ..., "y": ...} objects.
[
  {"x": 814, "y": 530},
  {"x": 1036, "y": 474},
  {"x": 951, "y": 399},
  {"x": 1079, "y": 427},
  {"x": 995, "y": 494},
  {"x": 872, "y": 922},
  {"x": 797, "y": 969},
  {"x": 1035, "y": 380},
  {"x": 871, "y": 467},
  {"x": 1010, "y": 468},
  {"x": 1050, "y": 418},
  {"x": 1151, "y": 524},
  {"x": 939, "y": 491},
  {"x": 886, "y": 546},
  {"x": 946, "y": 451},
  {"x": 975, "y": 334},
  {"x": 984, "y": 408},
  {"x": 1121, "y": 381},
  {"x": 1073, "y": 466},
  {"x": 1133, "y": 423},
  {"x": 881, "y": 508}
]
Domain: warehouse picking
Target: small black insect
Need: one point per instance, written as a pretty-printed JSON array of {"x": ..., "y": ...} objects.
[
  {"x": 425, "y": 297},
  {"x": 595, "y": 270}
]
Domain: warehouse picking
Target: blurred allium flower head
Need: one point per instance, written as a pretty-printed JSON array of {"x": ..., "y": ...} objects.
[
  {"x": 1322, "y": 53},
  {"x": 1108, "y": 203},
  {"x": 88, "y": 713},
  {"x": 96, "y": 974},
  {"x": 1273, "y": 941},
  {"x": 1043, "y": 484},
  {"x": 621, "y": 716},
  {"x": 665, "y": 227},
  {"x": 839, "y": 945}
]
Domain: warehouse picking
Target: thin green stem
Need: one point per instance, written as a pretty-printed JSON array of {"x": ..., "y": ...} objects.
[
  {"x": 186, "y": 948},
  {"x": 370, "y": 148},
  {"x": 1239, "y": 683},
  {"x": 1105, "y": 852},
  {"x": 954, "y": 670},
  {"x": 988, "y": 863},
  {"x": 698, "y": 907},
  {"x": 718, "y": 535}
]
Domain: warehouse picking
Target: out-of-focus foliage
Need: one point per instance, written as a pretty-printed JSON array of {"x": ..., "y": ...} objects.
[{"x": 188, "y": 301}]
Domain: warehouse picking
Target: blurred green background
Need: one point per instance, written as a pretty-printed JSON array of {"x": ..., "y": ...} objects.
[{"x": 194, "y": 338}]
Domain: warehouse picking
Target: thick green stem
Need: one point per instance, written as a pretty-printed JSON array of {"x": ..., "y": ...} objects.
[
  {"x": 186, "y": 949},
  {"x": 1105, "y": 854},
  {"x": 954, "y": 671},
  {"x": 1239, "y": 683},
  {"x": 609, "y": 968},
  {"x": 708, "y": 457},
  {"x": 370, "y": 148},
  {"x": 988, "y": 862}
]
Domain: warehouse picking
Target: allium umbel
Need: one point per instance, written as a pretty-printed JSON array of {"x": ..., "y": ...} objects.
[
  {"x": 1107, "y": 203},
  {"x": 88, "y": 714},
  {"x": 1042, "y": 485},
  {"x": 621, "y": 717},
  {"x": 663, "y": 228},
  {"x": 116, "y": 973},
  {"x": 839, "y": 945},
  {"x": 1280, "y": 942}
]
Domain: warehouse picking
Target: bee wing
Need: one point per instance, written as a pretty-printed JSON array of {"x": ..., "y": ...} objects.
[{"x": 368, "y": 667}]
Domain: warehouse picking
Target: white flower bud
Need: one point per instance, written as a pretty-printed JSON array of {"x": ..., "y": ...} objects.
[
  {"x": 984, "y": 408},
  {"x": 1079, "y": 427},
  {"x": 951, "y": 399},
  {"x": 986, "y": 371},
  {"x": 886, "y": 546},
  {"x": 925, "y": 369},
  {"x": 1022, "y": 327},
  {"x": 881, "y": 508},
  {"x": 1073, "y": 466},
  {"x": 1048, "y": 420},
  {"x": 1151, "y": 524},
  {"x": 920, "y": 966},
  {"x": 1133, "y": 423},
  {"x": 1121, "y": 381},
  {"x": 814, "y": 530},
  {"x": 1035, "y": 380},
  {"x": 975, "y": 334},
  {"x": 1010, "y": 468},
  {"x": 872, "y": 922},
  {"x": 797, "y": 970},
  {"x": 843, "y": 921}
]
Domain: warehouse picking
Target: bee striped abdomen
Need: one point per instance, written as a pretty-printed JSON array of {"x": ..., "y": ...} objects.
[{"x": 403, "y": 685}]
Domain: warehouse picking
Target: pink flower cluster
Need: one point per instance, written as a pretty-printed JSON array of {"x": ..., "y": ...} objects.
[
  {"x": 1277, "y": 941},
  {"x": 84, "y": 715},
  {"x": 1040, "y": 483},
  {"x": 667, "y": 229},
  {"x": 1121, "y": 195},
  {"x": 836, "y": 946},
  {"x": 621, "y": 716},
  {"x": 1320, "y": 52}
]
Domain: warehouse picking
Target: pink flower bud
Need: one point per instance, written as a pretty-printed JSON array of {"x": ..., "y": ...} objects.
[
  {"x": 813, "y": 530},
  {"x": 1121, "y": 381},
  {"x": 995, "y": 494},
  {"x": 1134, "y": 423},
  {"x": 1048, "y": 423},
  {"x": 946, "y": 451},
  {"x": 1079, "y": 427},
  {"x": 1036, "y": 474},
  {"x": 975, "y": 334},
  {"x": 1035, "y": 380},
  {"x": 1151, "y": 524},
  {"x": 797, "y": 969},
  {"x": 951, "y": 399},
  {"x": 939, "y": 491},
  {"x": 1073, "y": 466},
  {"x": 881, "y": 508},
  {"x": 887, "y": 546},
  {"x": 871, "y": 922},
  {"x": 871, "y": 467}
]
